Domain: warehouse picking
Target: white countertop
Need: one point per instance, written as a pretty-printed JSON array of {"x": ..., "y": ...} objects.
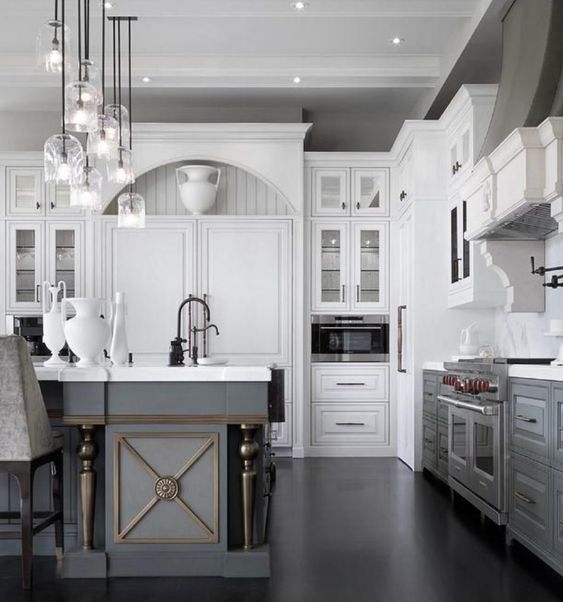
[
  {"x": 155, "y": 373},
  {"x": 535, "y": 371},
  {"x": 433, "y": 366}
]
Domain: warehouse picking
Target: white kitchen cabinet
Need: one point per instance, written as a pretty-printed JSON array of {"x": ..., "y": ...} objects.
[
  {"x": 349, "y": 266},
  {"x": 356, "y": 191},
  {"x": 331, "y": 191},
  {"x": 460, "y": 248},
  {"x": 350, "y": 383},
  {"x": 154, "y": 267},
  {"x": 39, "y": 252},
  {"x": 405, "y": 190},
  {"x": 460, "y": 146},
  {"x": 29, "y": 195},
  {"x": 352, "y": 425},
  {"x": 245, "y": 272}
]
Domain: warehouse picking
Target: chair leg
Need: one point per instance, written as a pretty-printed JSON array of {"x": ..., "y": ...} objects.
[
  {"x": 58, "y": 496},
  {"x": 25, "y": 481}
]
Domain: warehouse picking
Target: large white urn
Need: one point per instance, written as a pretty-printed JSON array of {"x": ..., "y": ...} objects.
[
  {"x": 87, "y": 333},
  {"x": 198, "y": 186},
  {"x": 53, "y": 333}
]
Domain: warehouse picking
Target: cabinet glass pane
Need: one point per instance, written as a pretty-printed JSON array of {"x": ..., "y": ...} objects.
[
  {"x": 331, "y": 265},
  {"x": 483, "y": 445},
  {"x": 24, "y": 191},
  {"x": 61, "y": 196},
  {"x": 465, "y": 147},
  {"x": 459, "y": 437},
  {"x": 368, "y": 289},
  {"x": 25, "y": 266},
  {"x": 331, "y": 192},
  {"x": 369, "y": 192},
  {"x": 65, "y": 259},
  {"x": 466, "y": 245},
  {"x": 454, "y": 260}
]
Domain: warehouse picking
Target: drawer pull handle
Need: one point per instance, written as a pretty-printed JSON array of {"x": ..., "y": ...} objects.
[
  {"x": 429, "y": 441},
  {"x": 350, "y": 424},
  {"x": 523, "y": 497},
  {"x": 443, "y": 454},
  {"x": 525, "y": 418},
  {"x": 350, "y": 384}
]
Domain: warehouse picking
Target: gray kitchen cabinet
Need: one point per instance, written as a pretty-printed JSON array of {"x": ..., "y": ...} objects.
[
  {"x": 442, "y": 450},
  {"x": 530, "y": 500},
  {"x": 435, "y": 427},
  {"x": 429, "y": 443},
  {"x": 556, "y": 422},
  {"x": 558, "y": 514},
  {"x": 529, "y": 427}
]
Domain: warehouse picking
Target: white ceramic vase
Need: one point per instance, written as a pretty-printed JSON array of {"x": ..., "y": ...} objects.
[
  {"x": 87, "y": 333},
  {"x": 53, "y": 332},
  {"x": 119, "y": 350},
  {"x": 197, "y": 191}
]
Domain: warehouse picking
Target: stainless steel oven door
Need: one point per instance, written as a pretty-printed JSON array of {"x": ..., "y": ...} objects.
[{"x": 475, "y": 447}]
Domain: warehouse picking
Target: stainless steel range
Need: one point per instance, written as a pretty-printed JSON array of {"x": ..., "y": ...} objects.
[{"x": 476, "y": 394}]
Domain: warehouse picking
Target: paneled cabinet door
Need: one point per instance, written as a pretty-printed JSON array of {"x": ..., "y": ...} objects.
[
  {"x": 245, "y": 271},
  {"x": 330, "y": 266},
  {"x": 460, "y": 145},
  {"x": 460, "y": 249},
  {"x": 154, "y": 268},
  {"x": 331, "y": 191},
  {"x": 25, "y": 190},
  {"x": 64, "y": 256},
  {"x": 25, "y": 266},
  {"x": 370, "y": 191},
  {"x": 404, "y": 179},
  {"x": 58, "y": 200},
  {"x": 369, "y": 267},
  {"x": 558, "y": 512}
]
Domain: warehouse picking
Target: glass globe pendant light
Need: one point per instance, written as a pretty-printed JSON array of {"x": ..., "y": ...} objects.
[
  {"x": 82, "y": 98},
  {"x": 103, "y": 142},
  {"x": 63, "y": 156},
  {"x": 48, "y": 47},
  {"x": 88, "y": 191},
  {"x": 130, "y": 204}
]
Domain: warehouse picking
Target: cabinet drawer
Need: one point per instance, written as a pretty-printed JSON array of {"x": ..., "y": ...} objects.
[
  {"x": 429, "y": 386},
  {"x": 429, "y": 404},
  {"x": 529, "y": 419},
  {"x": 350, "y": 424},
  {"x": 557, "y": 427},
  {"x": 442, "y": 450},
  {"x": 442, "y": 411},
  {"x": 530, "y": 500},
  {"x": 429, "y": 442},
  {"x": 281, "y": 432},
  {"x": 360, "y": 383}
]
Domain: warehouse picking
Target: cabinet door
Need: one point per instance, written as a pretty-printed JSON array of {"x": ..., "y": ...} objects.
[
  {"x": 460, "y": 148},
  {"x": 25, "y": 190},
  {"x": 64, "y": 256},
  {"x": 370, "y": 191},
  {"x": 369, "y": 252},
  {"x": 25, "y": 266},
  {"x": 58, "y": 200},
  {"x": 330, "y": 266},
  {"x": 429, "y": 443},
  {"x": 455, "y": 256},
  {"x": 556, "y": 422},
  {"x": 558, "y": 513},
  {"x": 154, "y": 268},
  {"x": 405, "y": 179},
  {"x": 245, "y": 271},
  {"x": 331, "y": 191},
  {"x": 530, "y": 419}
]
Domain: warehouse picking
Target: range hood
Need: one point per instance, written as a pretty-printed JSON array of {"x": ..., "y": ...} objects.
[{"x": 534, "y": 223}]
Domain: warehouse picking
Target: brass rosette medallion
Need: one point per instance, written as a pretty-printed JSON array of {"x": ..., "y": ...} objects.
[{"x": 166, "y": 488}]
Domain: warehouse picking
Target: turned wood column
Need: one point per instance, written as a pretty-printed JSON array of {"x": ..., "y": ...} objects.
[
  {"x": 248, "y": 451},
  {"x": 87, "y": 452}
]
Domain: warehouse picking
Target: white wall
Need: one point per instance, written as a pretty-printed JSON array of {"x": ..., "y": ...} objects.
[{"x": 522, "y": 334}]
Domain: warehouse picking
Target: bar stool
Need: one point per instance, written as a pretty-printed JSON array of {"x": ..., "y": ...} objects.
[{"x": 27, "y": 442}]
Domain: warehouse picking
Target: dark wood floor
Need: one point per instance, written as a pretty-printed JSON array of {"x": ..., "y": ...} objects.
[{"x": 344, "y": 530}]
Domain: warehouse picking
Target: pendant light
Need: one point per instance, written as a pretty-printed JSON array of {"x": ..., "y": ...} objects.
[
  {"x": 119, "y": 168},
  {"x": 102, "y": 143},
  {"x": 88, "y": 192},
  {"x": 48, "y": 45},
  {"x": 131, "y": 205},
  {"x": 82, "y": 97},
  {"x": 63, "y": 154}
]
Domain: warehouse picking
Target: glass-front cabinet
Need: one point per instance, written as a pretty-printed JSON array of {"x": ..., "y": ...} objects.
[
  {"x": 331, "y": 191},
  {"x": 349, "y": 266},
  {"x": 38, "y": 252},
  {"x": 370, "y": 191},
  {"x": 330, "y": 266},
  {"x": 460, "y": 248}
]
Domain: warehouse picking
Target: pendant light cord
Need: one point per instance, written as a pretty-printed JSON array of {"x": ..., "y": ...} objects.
[
  {"x": 63, "y": 107},
  {"x": 119, "y": 80},
  {"x": 87, "y": 30},
  {"x": 79, "y": 40},
  {"x": 130, "y": 97},
  {"x": 114, "y": 71},
  {"x": 103, "y": 56}
]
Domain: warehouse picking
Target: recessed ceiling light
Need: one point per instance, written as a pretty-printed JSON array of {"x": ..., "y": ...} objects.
[
  {"x": 299, "y": 5},
  {"x": 296, "y": 80},
  {"x": 146, "y": 79},
  {"x": 109, "y": 5},
  {"x": 397, "y": 40}
]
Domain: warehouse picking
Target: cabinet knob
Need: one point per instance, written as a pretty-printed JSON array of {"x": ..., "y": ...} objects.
[
  {"x": 343, "y": 206},
  {"x": 358, "y": 206},
  {"x": 403, "y": 195},
  {"x": 52, "y": 205},
  {"x": 38, "y": 205}
]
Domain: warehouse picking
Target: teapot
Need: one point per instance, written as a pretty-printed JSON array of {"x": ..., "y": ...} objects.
[{"x": 469, "y": 340}]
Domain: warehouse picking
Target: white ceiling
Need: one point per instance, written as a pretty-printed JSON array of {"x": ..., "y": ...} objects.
[{"x": 246, "y": 52}]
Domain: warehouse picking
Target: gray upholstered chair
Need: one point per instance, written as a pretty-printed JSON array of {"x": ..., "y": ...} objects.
[{"x": 26, "y": 442}]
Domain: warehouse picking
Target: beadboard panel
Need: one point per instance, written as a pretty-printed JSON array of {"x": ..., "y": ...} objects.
[{"x": 240, "y": 193}]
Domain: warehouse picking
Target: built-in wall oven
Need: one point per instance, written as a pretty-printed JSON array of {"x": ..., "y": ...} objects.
[{"x": 350, "y": 338}]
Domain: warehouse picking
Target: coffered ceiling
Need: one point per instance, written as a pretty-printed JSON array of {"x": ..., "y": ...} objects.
[{"x": 225, "y": 53}]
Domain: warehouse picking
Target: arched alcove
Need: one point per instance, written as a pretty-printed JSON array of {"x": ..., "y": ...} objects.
[{"x": 240, "y": 192}]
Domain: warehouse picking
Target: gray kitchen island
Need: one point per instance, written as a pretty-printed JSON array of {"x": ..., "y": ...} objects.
[{"x": 171, "y": 476}]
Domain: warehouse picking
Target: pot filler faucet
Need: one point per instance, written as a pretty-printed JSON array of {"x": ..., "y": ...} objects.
[{"x": 176, "y": 356}]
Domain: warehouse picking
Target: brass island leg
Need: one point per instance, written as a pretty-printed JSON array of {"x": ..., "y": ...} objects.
[
  {"x": 248, "y": 451},
  {"x": 87, "y": 452}
]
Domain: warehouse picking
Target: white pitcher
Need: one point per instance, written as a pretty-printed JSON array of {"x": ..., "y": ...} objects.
[
  {"x": 469, "y": 340},
  {"x": 53, "y": 333},
  {"x": 198, "y": 193},
  {"x": 87, "y": 333}
]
